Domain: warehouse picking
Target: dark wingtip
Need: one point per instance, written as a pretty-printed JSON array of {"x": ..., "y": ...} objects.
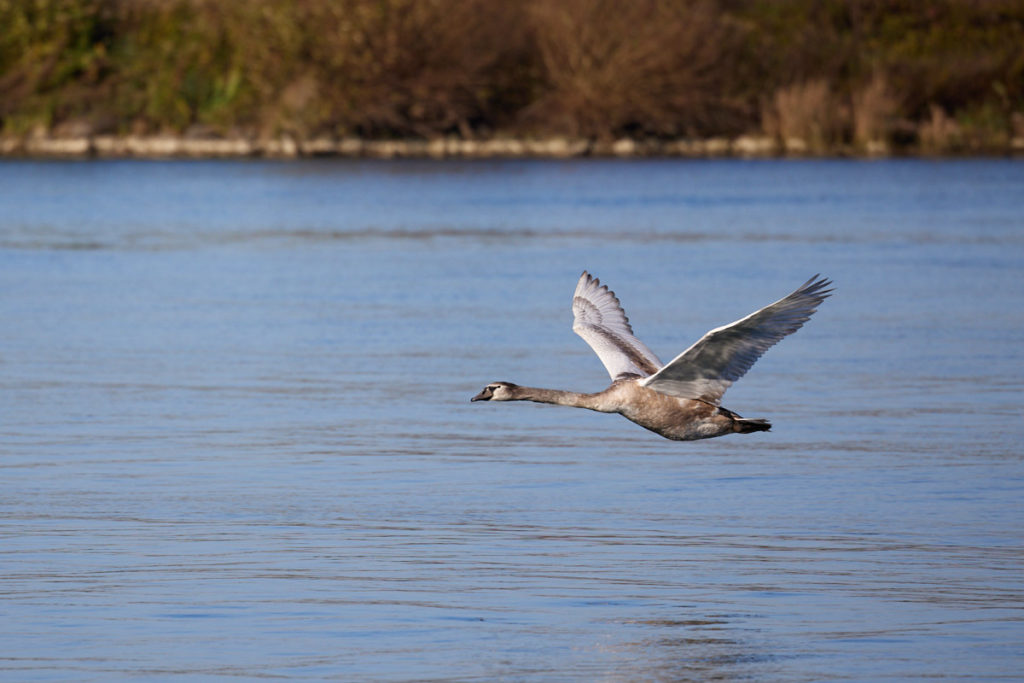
[{"x": 818, "y": 286}]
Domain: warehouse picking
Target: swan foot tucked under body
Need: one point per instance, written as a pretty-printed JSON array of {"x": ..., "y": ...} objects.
[{"x": 680, "y": 400}]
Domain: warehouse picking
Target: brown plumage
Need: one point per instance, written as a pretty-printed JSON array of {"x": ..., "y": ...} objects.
[{"x": 679, "y": 400}]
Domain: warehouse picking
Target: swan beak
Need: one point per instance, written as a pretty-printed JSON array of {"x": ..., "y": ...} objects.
[{"x": 484, "y": 395}]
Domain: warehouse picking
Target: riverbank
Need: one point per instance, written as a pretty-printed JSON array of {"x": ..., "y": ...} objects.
[
  {"x": 457, "y": 78},
  {"x": 170, "y": 146}
]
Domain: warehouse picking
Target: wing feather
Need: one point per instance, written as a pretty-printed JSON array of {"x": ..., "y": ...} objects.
[
  {"x": 599, "y": 319},
  {"x": 705, "y": 370}
]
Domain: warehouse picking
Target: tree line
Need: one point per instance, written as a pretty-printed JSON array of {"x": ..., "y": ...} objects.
[{"x": 944, "y": 75}]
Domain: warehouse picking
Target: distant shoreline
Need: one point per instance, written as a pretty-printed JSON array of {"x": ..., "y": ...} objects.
[{"x": 185, "y": 147}]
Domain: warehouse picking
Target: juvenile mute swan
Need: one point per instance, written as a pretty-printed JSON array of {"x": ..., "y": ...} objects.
[{"x": 680, "y": 400}]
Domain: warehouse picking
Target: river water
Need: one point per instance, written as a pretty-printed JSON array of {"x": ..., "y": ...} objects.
[{"x": 236, "y": 440}]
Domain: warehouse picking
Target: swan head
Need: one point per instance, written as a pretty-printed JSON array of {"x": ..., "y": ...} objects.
[{"x": 497, "y": 391}]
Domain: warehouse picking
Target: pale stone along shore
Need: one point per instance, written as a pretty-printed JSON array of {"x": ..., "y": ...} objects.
[{"x": 170, "y": 146}]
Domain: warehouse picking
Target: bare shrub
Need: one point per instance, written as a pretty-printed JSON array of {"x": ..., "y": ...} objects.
[
  {"x": 874, "y": 109},
  {"x": 804, "y": 116},
  {"x": 939, "y": 133},
  {"x": 645, "y": 67},
  {"x": 421, "y": 67},
  {"x": 1017, "y": 124}
]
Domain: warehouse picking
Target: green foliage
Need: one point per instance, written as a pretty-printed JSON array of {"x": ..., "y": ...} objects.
[
  {"x": 51, "y": 53},
  {"x": 832, "y": 72}
]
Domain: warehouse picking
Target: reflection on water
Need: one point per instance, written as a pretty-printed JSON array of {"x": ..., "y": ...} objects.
[{"x": 236, "y": 437}]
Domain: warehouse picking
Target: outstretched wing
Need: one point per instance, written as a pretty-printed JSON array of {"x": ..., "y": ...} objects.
[
  {"x": 602, "y": 323},
  {"x": 705, "y": 370}
]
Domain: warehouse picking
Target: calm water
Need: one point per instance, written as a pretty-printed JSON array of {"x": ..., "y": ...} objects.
[{"x": 236, "y": 440}]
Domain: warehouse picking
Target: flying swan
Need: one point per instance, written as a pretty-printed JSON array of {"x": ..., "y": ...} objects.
[{"x": 681, "y": 400}]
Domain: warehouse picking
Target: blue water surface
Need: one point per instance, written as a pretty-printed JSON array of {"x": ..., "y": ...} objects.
[{"x": 236, "y": 439}]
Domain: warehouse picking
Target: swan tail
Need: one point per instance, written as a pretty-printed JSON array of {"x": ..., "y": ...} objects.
[{"x": 746, "y": 426}]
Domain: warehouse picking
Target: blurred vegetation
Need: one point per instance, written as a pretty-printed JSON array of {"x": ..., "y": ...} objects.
[{"x": 946, "y": 75}]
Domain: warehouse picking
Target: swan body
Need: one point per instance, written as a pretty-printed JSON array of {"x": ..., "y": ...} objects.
[{"x": 679, "y": 400}]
